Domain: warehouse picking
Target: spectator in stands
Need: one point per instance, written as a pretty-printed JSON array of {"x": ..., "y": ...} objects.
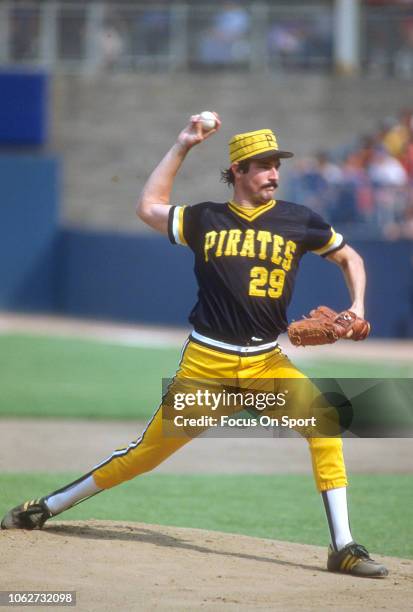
[
  {"x": 373, "y": 184},
  {"x": 226, "y": 41},
  {"x": 384, "y": 170},
  {"x": 286, "y": 44},
  {"x": 399, "y": 135},
  {"x": 330, "y": 181},
  {"x": 364, "y": 152},
  {"x": 301, "y": 42},
  {"x": 111, "y": 45},
  {"x": 406, "y": 157},
  {"x": 319, "y": 43},
  {"x": 350, "y": 203},
  {"x": 329, "y": 170},
  {"x": 389, "y": 182}
]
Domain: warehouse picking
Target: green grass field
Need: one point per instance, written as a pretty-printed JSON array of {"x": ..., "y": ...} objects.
[
  {"x": 55, "y": 377},
  {"x": 281, "y": 507}
]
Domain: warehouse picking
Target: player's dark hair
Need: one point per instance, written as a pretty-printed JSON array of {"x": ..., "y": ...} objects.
[{"x": 227, "y": 176}]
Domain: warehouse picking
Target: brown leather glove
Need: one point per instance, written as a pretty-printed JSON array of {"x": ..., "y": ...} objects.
[{"x": 325, "y": 326}]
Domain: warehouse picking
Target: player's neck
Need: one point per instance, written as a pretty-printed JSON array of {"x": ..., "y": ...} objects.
[{"x": 245, "y": 202}]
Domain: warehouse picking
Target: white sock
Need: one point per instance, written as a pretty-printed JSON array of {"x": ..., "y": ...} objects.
[
  {"x": 66, "y": 498},
  {"x": 335, "y": 502}
]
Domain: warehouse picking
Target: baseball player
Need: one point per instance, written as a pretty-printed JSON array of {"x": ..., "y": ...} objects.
[{"x": 247, "y": 252}]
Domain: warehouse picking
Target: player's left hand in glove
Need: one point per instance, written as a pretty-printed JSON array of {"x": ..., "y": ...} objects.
[{"x": 325, "y": 326}]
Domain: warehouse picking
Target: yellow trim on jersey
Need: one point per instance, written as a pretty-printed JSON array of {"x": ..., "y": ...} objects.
[
  {"x": 329, "y": 243},
  {"x": 251, "y": 213},
  {"x": 181, "y": 226},
  {"x": 334, "y": 238}
]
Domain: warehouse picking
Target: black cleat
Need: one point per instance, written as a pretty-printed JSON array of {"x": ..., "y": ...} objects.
[
  {"x": 30, "y": 515},
  {"x": 355, "y": 560}
]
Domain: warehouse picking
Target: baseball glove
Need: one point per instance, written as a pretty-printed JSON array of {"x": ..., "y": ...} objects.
[{"x": 325, "y": 326}]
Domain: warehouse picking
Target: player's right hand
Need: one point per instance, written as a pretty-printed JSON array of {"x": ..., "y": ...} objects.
[{"x": 193, "y": 133}]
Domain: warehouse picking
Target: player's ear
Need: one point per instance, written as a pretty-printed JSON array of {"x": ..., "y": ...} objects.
[
  {"x": 235, "y": 167},
  {"x": 239, "y": 168}
]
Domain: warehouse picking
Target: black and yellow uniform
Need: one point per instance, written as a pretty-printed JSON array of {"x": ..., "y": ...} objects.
[{"x": 246, "y": 261}]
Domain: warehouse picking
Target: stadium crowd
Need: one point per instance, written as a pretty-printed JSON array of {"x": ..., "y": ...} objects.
[{"x": 365, "y": 188}]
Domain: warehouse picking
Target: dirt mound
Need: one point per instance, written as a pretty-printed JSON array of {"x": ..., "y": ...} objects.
[{"x": 132, "y": 566}]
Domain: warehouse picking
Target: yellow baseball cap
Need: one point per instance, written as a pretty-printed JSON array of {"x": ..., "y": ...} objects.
[{"x": 255, "y": 145}]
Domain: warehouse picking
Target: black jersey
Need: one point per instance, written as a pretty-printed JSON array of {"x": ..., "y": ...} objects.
[{"x": 246, "y": 262}]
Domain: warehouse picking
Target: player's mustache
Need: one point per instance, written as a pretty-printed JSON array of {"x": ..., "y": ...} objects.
[{"x": 270, "y": 184}]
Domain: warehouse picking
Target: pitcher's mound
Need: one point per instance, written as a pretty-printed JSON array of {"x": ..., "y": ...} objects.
[{"x": 133, "y": 566}]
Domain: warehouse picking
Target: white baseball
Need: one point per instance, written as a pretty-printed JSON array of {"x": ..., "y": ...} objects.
[{"x": 208, "y": 120}]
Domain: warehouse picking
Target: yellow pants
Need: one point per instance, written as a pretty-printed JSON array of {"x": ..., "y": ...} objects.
[{"x": 200, "y": 362}]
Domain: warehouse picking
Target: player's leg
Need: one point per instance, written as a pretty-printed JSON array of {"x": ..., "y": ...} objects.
[
  {"x": 327, "y": 461},
  {"x": 140, "y": 456}
]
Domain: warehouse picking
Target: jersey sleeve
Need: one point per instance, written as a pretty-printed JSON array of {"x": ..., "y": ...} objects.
[
  {"x": 183, "y": 224},
  {"x": 320, "y": 237},
  {"x": 177, "y": 219}
]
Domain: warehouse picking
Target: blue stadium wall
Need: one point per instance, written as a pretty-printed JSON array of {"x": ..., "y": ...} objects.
[
  {"x": 125, "y": 277},
  {"x": 29, "y": 196},
  {"x": 141, "y": 278}
]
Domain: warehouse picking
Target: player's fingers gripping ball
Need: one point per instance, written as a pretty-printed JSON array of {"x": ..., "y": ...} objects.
[{"x": 325, "y": 326}]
